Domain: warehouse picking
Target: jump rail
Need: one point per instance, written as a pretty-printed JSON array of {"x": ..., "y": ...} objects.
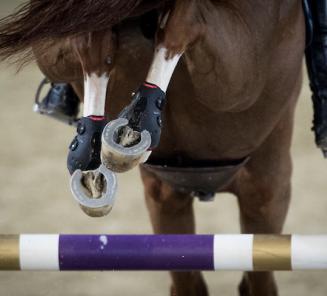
[{"x": 163, "y": 252}]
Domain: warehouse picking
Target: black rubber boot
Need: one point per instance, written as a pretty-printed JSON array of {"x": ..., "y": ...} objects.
[
  {"x": 316, "y": 58},
  {"x": 60, "y": 103},
  {"x": 85, "y": 149},
  {"x": 144, "y": 112}
]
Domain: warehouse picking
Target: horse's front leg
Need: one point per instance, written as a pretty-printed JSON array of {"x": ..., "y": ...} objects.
[
  {"x": 143, "y": 115},
  {"x": 92, "y": 184},
  {"x": 171, "y": 212},
  {"x": 85, "y": 63},
  {"x": 128, "y": 140}
]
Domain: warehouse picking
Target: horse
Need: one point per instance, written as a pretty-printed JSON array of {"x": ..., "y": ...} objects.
[{"x": 234, "y": 79}]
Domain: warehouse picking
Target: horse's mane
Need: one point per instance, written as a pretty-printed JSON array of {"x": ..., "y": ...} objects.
[{"x": 39, "y": 20}]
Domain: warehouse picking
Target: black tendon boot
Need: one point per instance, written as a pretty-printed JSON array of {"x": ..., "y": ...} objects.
[
  {"x": 84, "y": 151},
  {"x": 316, "y": 57},
  {"x": 144, "y": 112},
  {"x": 60, "y": 103}
]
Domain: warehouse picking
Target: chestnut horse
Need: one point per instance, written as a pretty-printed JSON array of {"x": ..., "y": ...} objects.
[{"x": 230, "y": 104}]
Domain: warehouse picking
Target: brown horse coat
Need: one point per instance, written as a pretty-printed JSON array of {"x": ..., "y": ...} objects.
[{"x": 232, "y": 95}]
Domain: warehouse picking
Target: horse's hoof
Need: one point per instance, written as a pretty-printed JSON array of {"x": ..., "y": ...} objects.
[
  {"x": 123, "y": 148},
  {"x": 95, "y": 191}
]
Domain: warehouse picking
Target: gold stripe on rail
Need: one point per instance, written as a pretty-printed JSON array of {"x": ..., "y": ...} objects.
[
  {"x": 9, "y": 252},
  {"x": 272, "y": 252}
]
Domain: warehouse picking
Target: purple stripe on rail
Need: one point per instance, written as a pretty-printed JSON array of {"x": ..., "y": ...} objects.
[{"x": 136, "y": 252}]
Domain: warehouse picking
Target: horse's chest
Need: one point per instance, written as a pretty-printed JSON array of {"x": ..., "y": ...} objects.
[{"x": 191, "y": 128}]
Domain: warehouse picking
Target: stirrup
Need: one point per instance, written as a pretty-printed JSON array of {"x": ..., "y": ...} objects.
[{"x": 60, "y": 103}]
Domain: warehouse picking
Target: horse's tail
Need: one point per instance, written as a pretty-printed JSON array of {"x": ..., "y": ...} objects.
[{"x": 38, "y": 20}]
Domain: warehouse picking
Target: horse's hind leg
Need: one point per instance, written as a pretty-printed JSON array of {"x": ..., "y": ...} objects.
[
  {"x": 263, "y": 190},
  {"x": 172, "y": 213}
]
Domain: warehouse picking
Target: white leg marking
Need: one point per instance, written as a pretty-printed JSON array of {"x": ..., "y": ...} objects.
[
  {"x": 233, "y": 252},
  {"x": 39, "y": 252},
  {"x": 309, "y": 252},
  {"x": 95, "y": 92},
  {"x": 161, "y": 70}
]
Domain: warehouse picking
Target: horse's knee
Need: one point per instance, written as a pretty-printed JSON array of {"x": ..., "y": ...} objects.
[
  {"x": 263, "y": 203},
  {"x": 163, "y": 196},
  {"x": 264, "y": 200},
  {"x": 261, "y": 191}
]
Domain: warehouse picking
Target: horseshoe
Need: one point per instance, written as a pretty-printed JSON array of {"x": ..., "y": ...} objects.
[
  {"x": 95, "y": 207},
  {"x": 117, "y": 157}
]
